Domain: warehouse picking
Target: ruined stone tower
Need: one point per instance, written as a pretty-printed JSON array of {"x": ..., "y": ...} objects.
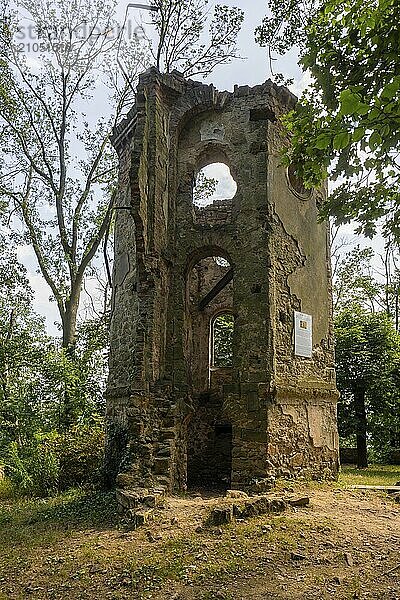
[{"x": 176, "y": 412}]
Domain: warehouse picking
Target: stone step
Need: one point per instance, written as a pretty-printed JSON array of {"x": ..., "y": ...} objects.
[
  {"x": 162, "y": 466},
  {"x": 167, "y": 434}
]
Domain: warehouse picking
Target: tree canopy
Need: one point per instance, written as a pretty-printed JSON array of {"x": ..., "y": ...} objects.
[
  {"x": 348, "y": 122},
  {"x": 185, "y": 43},
  {"x": 367, "y": 367}
]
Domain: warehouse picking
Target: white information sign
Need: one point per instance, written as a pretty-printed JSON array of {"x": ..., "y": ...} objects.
[{"x": 302, "y": 334}]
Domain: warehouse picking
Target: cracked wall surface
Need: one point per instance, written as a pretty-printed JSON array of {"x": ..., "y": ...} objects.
[{"x": 171, "y": 416}]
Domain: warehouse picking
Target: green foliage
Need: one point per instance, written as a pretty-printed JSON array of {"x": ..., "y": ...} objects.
[
  {"x": 286, "y": 24},
  {"x": 57, "y": 169},
  {"x": 81, "y": 451},
  {"x": 5, "y": 75},
  {"x": 349, "y": 122},
  {"x": 34, "y": 468},
  {"x": 52, "y": 462},
  {"x": 36, "y": 374},
  {"x": 367, "y": 349},
  {"x": 354, "y": 282},
  {"x": 368, "y": 363},
  {"x": 223, "y": 326},
  {"x": 204, "y": 188}
]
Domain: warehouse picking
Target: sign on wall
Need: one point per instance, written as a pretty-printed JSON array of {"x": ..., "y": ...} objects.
[{"x": 302, "y": 334}]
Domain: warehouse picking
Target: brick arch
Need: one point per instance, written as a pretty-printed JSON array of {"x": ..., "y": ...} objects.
[
  {"x": 196, "y": 100},
  {"x": 202, "y": 252}
]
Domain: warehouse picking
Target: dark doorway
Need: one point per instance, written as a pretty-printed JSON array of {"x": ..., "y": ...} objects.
[{"x": 209, "y": 452}]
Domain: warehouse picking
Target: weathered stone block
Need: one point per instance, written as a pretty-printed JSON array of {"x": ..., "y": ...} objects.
[{"x": 221, "y": 516}]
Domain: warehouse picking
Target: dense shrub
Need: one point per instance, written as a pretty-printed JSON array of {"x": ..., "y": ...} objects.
[
  {"x": 52, "y": 462},
  {"x": 81, "y": 451},
  {"x": 34, "y": 468}
]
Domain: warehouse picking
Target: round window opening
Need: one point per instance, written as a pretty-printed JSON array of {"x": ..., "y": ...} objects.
[
  {"x": 214, "y": 182},
  {"x": 296, "y": 183}
]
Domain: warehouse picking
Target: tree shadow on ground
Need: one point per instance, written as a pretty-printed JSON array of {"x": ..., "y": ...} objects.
[{"x": 36, "y": 521}]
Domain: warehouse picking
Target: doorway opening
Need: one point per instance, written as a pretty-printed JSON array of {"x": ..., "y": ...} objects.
[{"x": 210, "y": 357}]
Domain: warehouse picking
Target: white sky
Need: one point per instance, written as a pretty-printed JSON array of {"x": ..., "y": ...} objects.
[{"x": 252, "y": 70}]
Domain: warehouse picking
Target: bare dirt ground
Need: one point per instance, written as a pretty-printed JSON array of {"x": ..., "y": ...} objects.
[{"x": 344, "y": 545}]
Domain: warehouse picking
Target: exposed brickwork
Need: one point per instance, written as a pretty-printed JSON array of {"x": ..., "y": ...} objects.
[{"x": 169, "y": 416}]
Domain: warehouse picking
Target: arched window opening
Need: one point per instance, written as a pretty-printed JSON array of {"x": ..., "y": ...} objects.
[
  {"x": 220, "y": 261},
  {"x": 213, "y": 182},
  {"x": 222, "y": 341}
]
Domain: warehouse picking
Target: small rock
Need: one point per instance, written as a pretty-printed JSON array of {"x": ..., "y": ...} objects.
[
  {"x": 94, "y": 569},
  {"x": 236, "y": 494},
  {"x": 300, "y": 501},
  {"x": 139, "y": 518},
  {"x": 150, "y": 500},
  {"x": 126, "y": 581},
  {"x": 150, "y": 536},
  {"x": 296, "y": 556},
  {"x": 221, "y": 516},
  {"x": 349, "y": 559}
]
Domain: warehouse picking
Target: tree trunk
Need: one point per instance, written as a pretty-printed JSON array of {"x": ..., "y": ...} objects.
[
  {"x": 69, "y": 329},
  {"x": 69, "y": 322},
  {"x": 361, "y": 428},
  {"x": 69, "y": 317}
]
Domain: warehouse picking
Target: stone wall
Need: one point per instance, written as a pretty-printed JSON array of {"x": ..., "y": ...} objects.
[{"x": 169, "y": 413}]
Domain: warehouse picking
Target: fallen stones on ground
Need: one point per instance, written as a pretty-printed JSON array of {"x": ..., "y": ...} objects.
[
  {"x": 260, "y": 506},
  {"x": 348, "y": 559},
  {"x": 138, "y": 505},
  {"x": 221, "y": 516},
  {"x": 251, "y": 508},
  {"x": 300, "y": 502},
  {"x": 236, "y": 494}
]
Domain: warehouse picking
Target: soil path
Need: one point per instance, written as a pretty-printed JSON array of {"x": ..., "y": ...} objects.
[{"x": 344, "y": 545}]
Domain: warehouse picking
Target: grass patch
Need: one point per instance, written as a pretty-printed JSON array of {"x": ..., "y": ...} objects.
[
  {"x": 7, "y": 491},
  {"x": 30, "y": 523},
  {"x": 373, "y": 475},
  {"x": 213, "y": 558}
]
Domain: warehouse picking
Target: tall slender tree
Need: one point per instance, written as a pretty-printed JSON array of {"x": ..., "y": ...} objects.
[
  {"x": 367, "y": 363},
  {"x": 58, "y": 170}
]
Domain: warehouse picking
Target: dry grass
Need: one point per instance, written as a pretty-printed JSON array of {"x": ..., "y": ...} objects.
[{"x": 73, "y": 547}]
